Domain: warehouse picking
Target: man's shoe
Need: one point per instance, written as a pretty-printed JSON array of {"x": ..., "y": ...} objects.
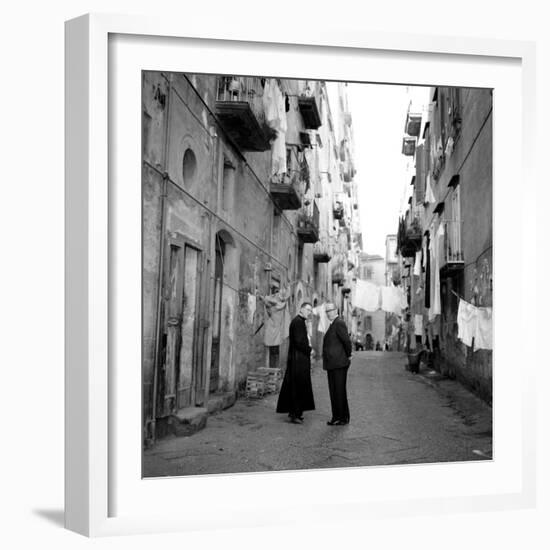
[
  {"x": 340, "y": 423},
  {"x": 332, "y": 422},
  {"x": 295, "y": 420}
]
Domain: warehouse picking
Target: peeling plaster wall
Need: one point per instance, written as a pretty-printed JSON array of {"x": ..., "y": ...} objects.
[
  {"x": 472, "y": 160},
  {"x": 195, "y": 211}
]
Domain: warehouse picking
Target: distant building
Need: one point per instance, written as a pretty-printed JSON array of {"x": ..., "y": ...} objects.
[{"x": 373, "y": 323}]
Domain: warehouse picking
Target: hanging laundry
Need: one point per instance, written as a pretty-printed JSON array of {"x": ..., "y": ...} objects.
[
  {"x": 417, "y": 263},
  {"x": 418, "y": 322},
  {"x": 274, "y": 105},
  {"x": 428, "y": 281},
  {"x": 324, "y": 322},
  {"x": 450, "y": 146},
  {"x": 278, "y": 154},
  {"x": 391, "y": 299},
  {"x": 402, "y": 298},
  {"x": 275, "y": 114},
  {"x": 435, "y": 308},
  {"x": 424, "y": 251},
  {"x": 367, "y": 295},
  {"x": 429, "y": 198},
  {"x": 275, "y": 322},
  {"x": 483, "y": 336},
  {"x": 251, "y": 307},
  {"x": 466, "y": 319}
]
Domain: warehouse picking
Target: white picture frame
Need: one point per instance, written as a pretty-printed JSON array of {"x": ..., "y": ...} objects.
[{"x": 99, "y": 499}]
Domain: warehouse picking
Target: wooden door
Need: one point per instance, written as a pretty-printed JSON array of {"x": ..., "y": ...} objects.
[
  {"x": 171, "y": 333},
  {"x": 189, "y": 358},
  {"x": 216, "y": 325},
  {"x": 179, "y": 353}
]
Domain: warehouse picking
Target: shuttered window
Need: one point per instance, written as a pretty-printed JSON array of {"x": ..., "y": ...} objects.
[{"x": 420, "y": 182}]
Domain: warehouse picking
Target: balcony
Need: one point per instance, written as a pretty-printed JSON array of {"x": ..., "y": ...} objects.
[
  {"x": 310, "y": 112},
  {"x": 322, "y": 251},
  {"x": 409, "y": 238},
  {"x": 338, "y": 209},
  {"x": 240, "y": 111},
  {"x": 338, "y": 277},
  {"x": 409, "y": 146},
  {"x": 306, "y": 140},
  {"x": 349, "y": 172},
  {"x": 413, "y": 123},
  {"x": 454, "y": 255},
  {"x": 308, "y": 223},
  {"x": 287, "y": 194}
]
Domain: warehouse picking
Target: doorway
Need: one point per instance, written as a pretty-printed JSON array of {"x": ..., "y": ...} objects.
[
  {"x": 217, "y": 319},
  {"x": 179, "y": 359}
]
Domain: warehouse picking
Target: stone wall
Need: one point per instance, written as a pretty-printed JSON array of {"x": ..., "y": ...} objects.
[
  {"x": 178, "y": 116},
  {"x": 472, "y": 161}
]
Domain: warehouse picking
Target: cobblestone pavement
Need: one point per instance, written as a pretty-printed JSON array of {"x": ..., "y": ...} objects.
[{"x": 396, "y": 418}]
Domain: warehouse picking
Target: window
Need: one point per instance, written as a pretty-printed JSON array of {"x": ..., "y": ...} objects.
[
  {"x": 368, "y": 323},
  {"x": 228, "y": 178},
  {"x": 443, "y": 118},
  {"x": 275, "y": 235},
  {"x": 189, "y": 167},
  {"x": 454, "y": 252},
  {"x": 455, "y": 115},
  {"x": 420, "y": 181},
  {"x": 289, "y": 161}
]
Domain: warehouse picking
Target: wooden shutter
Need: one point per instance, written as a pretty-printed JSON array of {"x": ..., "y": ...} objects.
[{"x": 420, "y": 182}]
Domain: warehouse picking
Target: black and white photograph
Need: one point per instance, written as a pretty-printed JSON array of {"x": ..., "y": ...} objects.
[
  {"x": 316, "y": 274},
  {"x": 249, "y": 284}
]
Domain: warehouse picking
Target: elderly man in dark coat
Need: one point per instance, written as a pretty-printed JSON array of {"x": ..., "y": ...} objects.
[
  {"x": 336, "y": 361},
  {"x": 296, "y": 394}
]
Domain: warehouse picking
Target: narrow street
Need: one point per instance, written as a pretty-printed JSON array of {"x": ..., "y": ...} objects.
[{"x": 396, "y": 418}]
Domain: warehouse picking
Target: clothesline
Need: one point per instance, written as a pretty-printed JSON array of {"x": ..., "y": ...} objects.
[
  {"x": 244, "y": 292},
  {"x": 463, "y": 299}
]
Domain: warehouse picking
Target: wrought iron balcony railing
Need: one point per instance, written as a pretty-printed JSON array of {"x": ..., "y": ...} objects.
[
  {"x": 308, "y": 223},
  {"x": 412, "y": 124},
  {"x": 322, "y": 250},
  {"x": 288, "y": 192},
  {"x": 409, "y": 146},
  {"x": 310, "y": 112}
]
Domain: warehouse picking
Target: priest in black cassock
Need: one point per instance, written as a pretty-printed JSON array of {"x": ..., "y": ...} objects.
[{"x": 296, "y": 394}]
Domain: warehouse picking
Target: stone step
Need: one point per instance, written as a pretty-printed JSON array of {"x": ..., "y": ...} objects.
[
  {"x": 221, "y": 401},
  {"x": 189, "y": 420}
]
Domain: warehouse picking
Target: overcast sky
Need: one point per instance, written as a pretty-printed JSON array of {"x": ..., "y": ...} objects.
[{"x": 378, "y": 121}]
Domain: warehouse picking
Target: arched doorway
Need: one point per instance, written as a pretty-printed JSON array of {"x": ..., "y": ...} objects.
[{"x": 216, "y": 325}]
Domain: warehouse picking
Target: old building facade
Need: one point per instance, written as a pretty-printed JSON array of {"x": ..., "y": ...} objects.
[
  {"x": 445, "y": 235},
  {"x": 248, "y": 192}
]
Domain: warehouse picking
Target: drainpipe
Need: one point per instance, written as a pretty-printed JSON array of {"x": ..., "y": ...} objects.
[
  {"x": 161, "y": 260},
  {"x": 209, "y": 274}
]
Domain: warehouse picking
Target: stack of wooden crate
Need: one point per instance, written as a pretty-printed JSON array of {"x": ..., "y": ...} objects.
[
  {"x": 256, "y": 383},
  {"x": 273, "y": 381}
]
